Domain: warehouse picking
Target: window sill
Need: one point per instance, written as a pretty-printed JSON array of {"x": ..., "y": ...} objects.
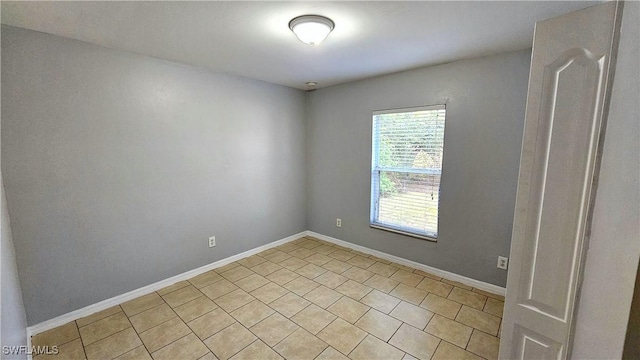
[{"x": 421, "y": 237}]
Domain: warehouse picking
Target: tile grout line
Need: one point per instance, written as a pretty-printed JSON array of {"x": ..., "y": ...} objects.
[
  {"x": 115, "y": 333},
  {"x": 453, "y": 286},
  {"x": 217, "y": 332},
  {"x": 394, "y": 334},
  {"x": 437, "y": 347},
  {"x": 74, "y": 339},
  {"x": 359, "y": 342},
  {"x": 431, "y": 319},
  {"x": 469, "y": 340},
  {"x": 164, "y": 346},
  {"x": 286, "y": 337},
  {"x": 210, "y": 350},
  {"x": 484, "y": 332},
  {"x": 83, "y": 350},
  {"x": 95, "y": 341},
  {"x": 157, "y": 306},
  {"x": 132, "y": 350},
  {"x": 251, "y": 343},
  {"x": 397, "y": 269},
  {"x": 136, "y": 331},
  {"x": 96, "y": 320}
]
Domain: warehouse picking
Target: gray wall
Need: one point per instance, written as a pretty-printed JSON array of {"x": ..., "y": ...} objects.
[
  {"x": 118, "y": 167},
  {"x": 14, "y": 321},
  {"x": 13, "y": 327},
  {"x": 614, "y": 246},
  {"x": 485, "y": 101}
]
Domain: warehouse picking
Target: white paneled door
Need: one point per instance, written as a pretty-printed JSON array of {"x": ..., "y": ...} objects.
[{"x": 571, "y": 72}]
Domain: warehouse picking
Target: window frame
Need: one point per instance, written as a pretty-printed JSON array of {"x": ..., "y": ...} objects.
[{"x": 374, "y": 198}]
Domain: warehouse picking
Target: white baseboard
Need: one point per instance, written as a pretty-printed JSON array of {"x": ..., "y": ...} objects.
[
  {"x": 435, "y": 271},
  {"x": 116, "y": 300}
]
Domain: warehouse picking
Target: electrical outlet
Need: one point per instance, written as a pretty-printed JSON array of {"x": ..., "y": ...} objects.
[
  {"x": 212, "y": 241},
  {"x": 339, "y": 222},
  {"x": 503, "y": 262}
]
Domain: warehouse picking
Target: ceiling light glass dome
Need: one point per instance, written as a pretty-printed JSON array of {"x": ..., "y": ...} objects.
[{"x": 311, "y": 29}]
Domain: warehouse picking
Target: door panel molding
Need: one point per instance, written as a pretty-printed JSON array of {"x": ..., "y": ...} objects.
[
  {"x": 545, "y": 292},
  {"x": 532, "y": 345}
]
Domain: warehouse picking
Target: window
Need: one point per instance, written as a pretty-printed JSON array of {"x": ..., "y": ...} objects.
[{"x": 406, "y": 168}]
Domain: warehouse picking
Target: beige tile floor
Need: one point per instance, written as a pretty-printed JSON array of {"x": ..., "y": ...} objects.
[{"x": 307, "y": 299}]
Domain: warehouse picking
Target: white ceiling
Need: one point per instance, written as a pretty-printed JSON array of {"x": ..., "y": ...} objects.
[{"x": 252, "y": 39}]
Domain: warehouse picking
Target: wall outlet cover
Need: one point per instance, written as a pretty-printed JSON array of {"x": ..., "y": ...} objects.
[{"x": 503, "y": 262}]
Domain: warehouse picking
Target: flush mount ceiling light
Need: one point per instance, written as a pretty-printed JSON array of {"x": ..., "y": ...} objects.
[{"x": 311, "y": 29}]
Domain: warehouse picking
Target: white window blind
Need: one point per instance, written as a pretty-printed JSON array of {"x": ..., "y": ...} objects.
[{"x": 406, "y": 168}]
